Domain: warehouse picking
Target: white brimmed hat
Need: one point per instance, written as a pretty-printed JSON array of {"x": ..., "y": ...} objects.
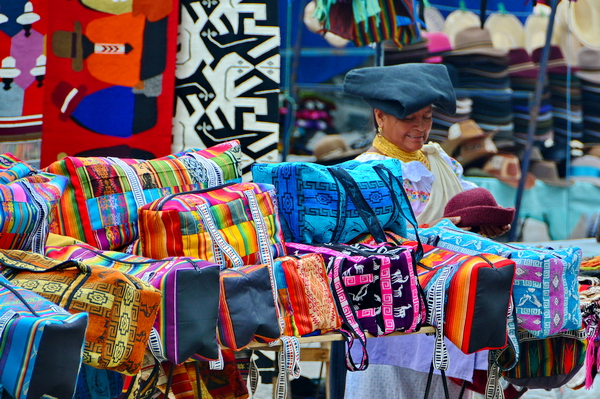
[
  {"x": 584, "y": 22},
  {"x": 507, "y": 30},
  {"x": 9, "y": 68}
]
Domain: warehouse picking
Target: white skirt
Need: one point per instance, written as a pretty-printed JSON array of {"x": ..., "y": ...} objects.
[{"x": 380, "y": 381}]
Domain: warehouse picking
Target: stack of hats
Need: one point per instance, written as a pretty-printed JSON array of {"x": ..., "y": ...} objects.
[
  {"x": 483, "y": 72},
  {"x": 469, "y": 143},
  {"x": 414, "y": 52},
  {"x": 437, "y": 43},
  {"x": 589, "y": 74},
  {"x": 442, "y": 121},
  {"x": 523, "y": 79},
  {"x": 567, "y": 113}
]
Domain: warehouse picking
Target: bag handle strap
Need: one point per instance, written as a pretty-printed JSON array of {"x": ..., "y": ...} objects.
[
  {"x": 493, "y": 389},
  {"x": 444, "y": 383},
  {"x": 348, "y": 314},
  {"x": 214, "y": 174},
  {"x": 365, "y": 211},
  {"x": 395, "y": 185},
  {"x": 17, "y": 259},
  {"x": 37, "y": 240},
  {"x": 435, "y": 304},
  {"x": 137, "y": 189}
]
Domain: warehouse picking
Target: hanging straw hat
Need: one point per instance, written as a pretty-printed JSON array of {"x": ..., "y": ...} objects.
[
  {"x": 434, "y": 20},
  {"x": 458, "y": 20},
  {"x": 536, "y": 30},
  {"x": 507, "y": 30},
  {"x": 584, "y": 21}
]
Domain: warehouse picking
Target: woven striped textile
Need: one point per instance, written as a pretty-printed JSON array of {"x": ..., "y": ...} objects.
[
  {"x": 100, "y": 203},
  {"x": 27, "y": 198},
  {"x": 121, "y": 308},
  {"x": 305, "y": 295},
  {"x": 545, "y": 363},
  {"x": 475, "y": 294},
  {"x": 247, "y": 308},
  {"x": 34, "y": 333},
  {"x": 174, "y": 225},
  {"x": 187, "y": 318}
]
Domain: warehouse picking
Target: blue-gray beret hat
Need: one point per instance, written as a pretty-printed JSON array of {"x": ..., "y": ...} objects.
[{"x": 401, "y": 90}]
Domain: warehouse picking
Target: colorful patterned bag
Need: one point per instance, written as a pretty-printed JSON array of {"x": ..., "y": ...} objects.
[
  {"x": 545, "y": 287},
  {"x": 305, "y": 298},
  {"x": 247, "y": 310},
  {"x": 100, "y": 203},
  {"x": 375, "y": 287},
  {"x": 545, "y": 363},
  {"x": 469, "y": 299},
  {"x": 35, "y": 334},
  {"x": 187, "y": 320},
  {"x": 27, "y": 198},
  {"x": 334, "y": 204},
  {"x": 121, "y": 308},
  {"x": 218, "y": 225}
]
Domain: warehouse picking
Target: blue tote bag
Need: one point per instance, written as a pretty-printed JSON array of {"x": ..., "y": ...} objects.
[
  {"x": 335, "y": 204},
  {"x": 41, "y": 345}
]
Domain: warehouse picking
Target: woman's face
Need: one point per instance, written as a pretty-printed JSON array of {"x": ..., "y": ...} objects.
[{"x": 408, "y": 134}]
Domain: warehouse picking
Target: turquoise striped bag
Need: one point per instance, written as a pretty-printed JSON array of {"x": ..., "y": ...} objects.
[{"x": 41, "y": 345}]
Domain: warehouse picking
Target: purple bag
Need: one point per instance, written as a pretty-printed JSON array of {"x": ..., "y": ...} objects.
[{"x": 375, "y": 287}]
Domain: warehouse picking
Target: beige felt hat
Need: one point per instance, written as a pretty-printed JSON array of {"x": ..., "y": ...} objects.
[
  {"x": 589, "y": 65},
  {"x": 460, "y": 132},
  {"x": 507, "y": 31},
  {"x": 458, "y": 20},
  {"x": 474, "y": 40},
  {"x": 584, "y": 22}
]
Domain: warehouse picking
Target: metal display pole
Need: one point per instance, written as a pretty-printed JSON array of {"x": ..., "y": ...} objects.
[{"x": 534, "y": 113}]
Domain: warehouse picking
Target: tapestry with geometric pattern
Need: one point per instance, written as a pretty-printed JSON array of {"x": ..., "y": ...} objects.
[{"x": 227, "y": 77}]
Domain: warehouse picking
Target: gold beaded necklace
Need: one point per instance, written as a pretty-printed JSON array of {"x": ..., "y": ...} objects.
[{"x": 390, "y": 149}]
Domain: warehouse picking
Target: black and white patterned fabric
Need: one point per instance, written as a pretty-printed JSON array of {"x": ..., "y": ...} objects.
[{"x": 227, "y": 77}]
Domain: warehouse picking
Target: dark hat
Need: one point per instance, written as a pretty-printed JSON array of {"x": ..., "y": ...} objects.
[
  {"x": 67, "y": 44},
  {"x": 402, "y": 90},
  {"x": 67, "y": 97},
  {"x": 477, "y": 207}
]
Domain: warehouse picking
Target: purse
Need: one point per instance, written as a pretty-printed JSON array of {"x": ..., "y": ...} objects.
[
  {"x": 545, "y": 287},
  {"x": 34, "y": 334},
  {"x": 375, "y": 288},
  {"x": 27, "y": 198},
  {"x": 121, "y": 308},
  {"x": 314, "y": 205},
  {"x": 305, "y": 298},
  {"x": 195, "y": 223},
  {"x": 100, "y": 203},
  {"x": 187, "y": 319},
  {"x": 469, "y": 298},
  {"x": 545, "y": 363}
]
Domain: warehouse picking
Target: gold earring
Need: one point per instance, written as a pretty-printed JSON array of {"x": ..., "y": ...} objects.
[{"x": 379, "y": 130}]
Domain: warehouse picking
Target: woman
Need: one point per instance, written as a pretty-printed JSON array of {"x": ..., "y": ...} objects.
[{"x": 402, "y": 97}]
